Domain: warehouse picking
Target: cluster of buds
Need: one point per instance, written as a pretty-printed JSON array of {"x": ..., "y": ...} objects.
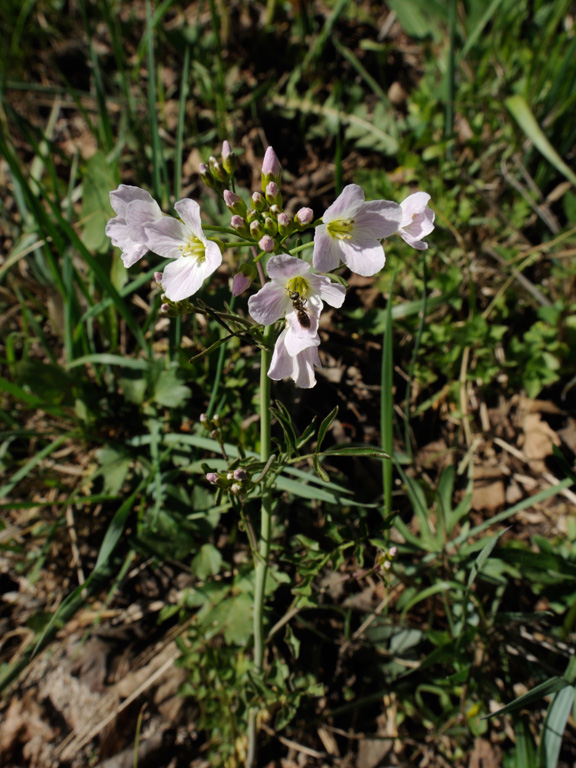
[
  {"x": 217, "y": 174},
  {"x": 211, "y": 424},
  {"x": 236, "y": 481},
  {"x": 265, "y": 221},
  {"x": 385, "y": 558}
]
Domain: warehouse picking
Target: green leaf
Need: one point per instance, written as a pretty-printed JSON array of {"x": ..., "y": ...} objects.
[
  {"x": 356, "y": 450},
  {"x": 99, "y": 180},
  {"x": 283, "y": 416},
  {"x": 169, "y": 390},
  {"x": 207, "y": 562},
  {"x": 522, "y": 113},
  {"x": 553, "y": 685},
  {"x": 114, "y": 466},
  {"x": 322, "y": 474},
  {"x": 554, "y": 727},
  {"x": 325, "y": 426}
]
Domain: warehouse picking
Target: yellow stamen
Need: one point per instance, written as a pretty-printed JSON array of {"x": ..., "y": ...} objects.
[
  {"x": 299, "y": 285},
  {"x": 194, "y": 248},
  {"x": 342, "y": 229}
]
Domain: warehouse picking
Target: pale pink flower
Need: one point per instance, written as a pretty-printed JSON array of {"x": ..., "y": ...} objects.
[
  {"x": 351, "y": 231},
  {"x": 417, "y": 220},
  {"x": 298, "y": 294},
  {"x": 195, "y": 256},
  {"x": 134, "y": 208},
  {"x": 299, "y": 367}
]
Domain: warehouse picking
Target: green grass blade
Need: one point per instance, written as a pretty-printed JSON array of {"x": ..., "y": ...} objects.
[{"x": 522, "y": 113}]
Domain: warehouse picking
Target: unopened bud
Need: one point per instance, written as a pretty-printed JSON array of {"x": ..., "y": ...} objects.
[
  {"x": 235, "y": 489},
  {"x": 275, "y": 210},
  {"x": 212, "y": 477},
  {"x": 216, "y": 169},
  {"x": 164, "y": 307},
  {"x": 242, "y": 280},
  {"x": 256, "y": 230},
  {"x": 393, "y": 551},
  {"x": 258, "y": 201},
  {"x": 285, "y": 225},
  {"x": 240, "y": 474},
  {"x": 240, "y": 283},
  {"x": 228, "y": 159},
  {"x": 234, "y": 203},
  {"x": 304, "y": 217},
  {"x": 273, "y": 195},
  {"x": 203, "y": 418},
  {"x": 266, "y": 244},
  {"x": 206, "y": 176},
  {"x": 271, "y": 168},
  {"x": 240, "y": 225},
  {"x": 270, "y": 226}
]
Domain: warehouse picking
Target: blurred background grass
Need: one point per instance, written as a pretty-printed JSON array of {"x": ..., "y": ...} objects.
[{"x": 101, "y": 449}]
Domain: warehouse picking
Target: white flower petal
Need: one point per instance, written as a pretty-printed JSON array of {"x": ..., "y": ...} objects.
[
  {"x": 346, "y": 205},
  {"x": 298, "y": 338},
  {"x": 119, "y": 198},
  {"x": 413, "y": 205},
  {"x": 132, "y": 253},
  {"x": 166, "y": 237},
  {"x": 281, "y": 365},
  {"x": 284, "y": 266},
  {"x": 363, "y": 258},
  {"x": 269, "y": 304},
  {"x": 303, "y": 372},
  {"x": 330, "y": 292},
  {"x": 326, "y": 256},
  {"x": 138, "y": 213},
  {"x": 181, "y": 279},
  {"x": 189, "y": 212},
  {"x": 377, "y": 219}
]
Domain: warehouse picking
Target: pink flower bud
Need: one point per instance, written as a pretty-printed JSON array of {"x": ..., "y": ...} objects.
[
  {"x": 240, "y": 225},
  {"x": 228, "y": 159},
  {"x": 258, "y": 201},
  {"x": 206, "y": 176},
  {"x": 158, "y": 277},
  {"x": 271, "y": 165},
  {"x": 235, "y": 489},
  {"x": 285, "y": 225},
  {"x": 164, "y": 307},
  {"x": 256, "y": 230},
  {"x": 272, "y": 190},
  {"x": 240, "y": 474},
  {"x": 203, "y": 418},
  {"x": 240, "y": 283},
  {"x": 212, "y": 477},
  {"x": 266, "y": 244},
  {"x": 270, "y": 226},
  {"x": 234, "y": 203},
  {"x": 304, "y": 217}
]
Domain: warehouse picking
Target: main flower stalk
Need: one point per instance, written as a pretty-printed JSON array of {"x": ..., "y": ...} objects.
[{"x": 262, "y": 556}]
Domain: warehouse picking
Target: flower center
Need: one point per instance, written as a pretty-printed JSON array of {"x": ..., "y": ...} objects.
[
  {"x": 298, "y": 285},
  {"x": 342, "y": 229},
  {"x": 194, "y": 248}
]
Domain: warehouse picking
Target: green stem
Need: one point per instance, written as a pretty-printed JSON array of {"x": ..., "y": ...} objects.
[{"x": 263, "y": 554}]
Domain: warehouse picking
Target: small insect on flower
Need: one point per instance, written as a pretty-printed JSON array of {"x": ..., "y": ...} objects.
[{"x": 299, "y": 304}]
